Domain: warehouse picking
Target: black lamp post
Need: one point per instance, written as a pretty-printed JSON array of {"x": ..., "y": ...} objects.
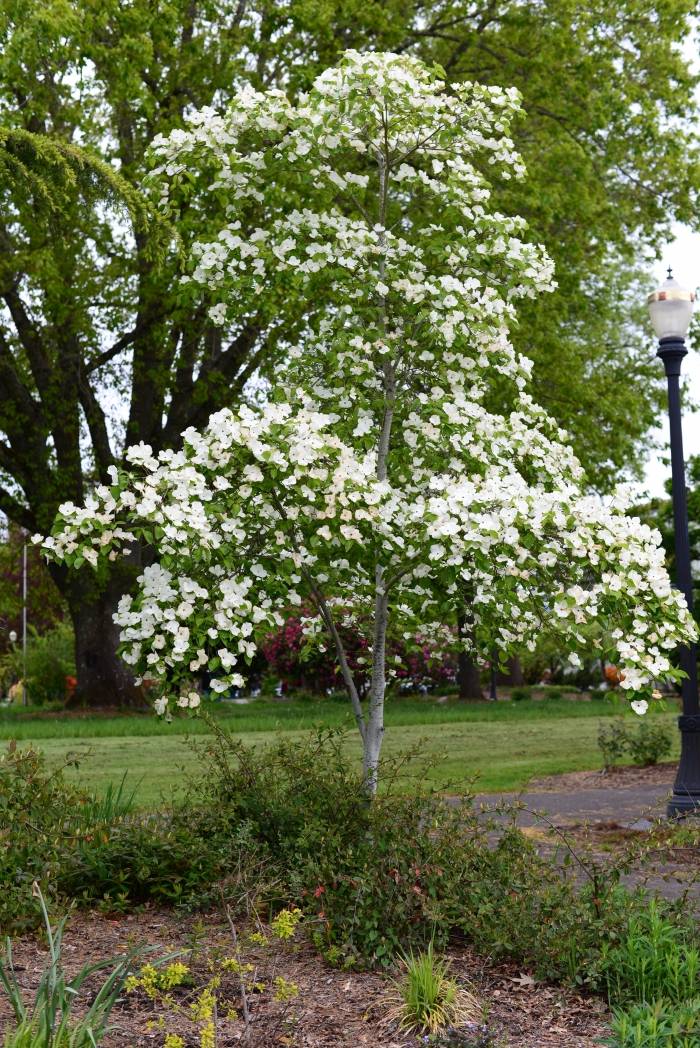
[{"x": 671, "y": 309}]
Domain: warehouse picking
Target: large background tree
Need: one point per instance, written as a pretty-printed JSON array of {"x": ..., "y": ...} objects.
[{"x": 99, "y": 347}]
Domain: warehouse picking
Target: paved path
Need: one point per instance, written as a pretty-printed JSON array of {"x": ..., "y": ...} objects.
[
  {"x": 568, "y": 808},
  {"x": 632, "y": 808}
]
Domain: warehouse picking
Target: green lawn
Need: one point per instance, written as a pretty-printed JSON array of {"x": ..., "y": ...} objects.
[{"x": 504, "y": 744}]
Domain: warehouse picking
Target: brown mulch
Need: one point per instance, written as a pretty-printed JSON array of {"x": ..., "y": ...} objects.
[
  {"x": 334, "y": 1009},
  {"x": 625, "y": 777}
]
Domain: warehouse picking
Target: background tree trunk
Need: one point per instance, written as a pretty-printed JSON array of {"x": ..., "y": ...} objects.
[
  {"x": 468, "y": 677},
  {"x": 514, "y": 677},
  {"x": 468, "y": 673},
  {"x": 104, "y": 679}
]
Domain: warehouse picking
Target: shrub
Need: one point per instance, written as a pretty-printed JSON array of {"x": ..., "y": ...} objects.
[
  {"x": 652, "y": 742},
  {"x": 289, "y": 825},
  {"x": 143, "y": 860},
  {"x": 376, "y": 880},
  {"x": 38, "y": 814},
  {"x": 613, "y": 740},
  {"x": 305, "y": 663},
  {"x": 46, "y": 821},
  {"x": 647, "y": 746},
  {"x": 657, "y": 1025},
  {"x": 520, "y": 694},
  {"x": 426, "y": 999}
]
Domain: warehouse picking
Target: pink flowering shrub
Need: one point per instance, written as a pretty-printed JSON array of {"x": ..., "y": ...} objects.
[{"x": 313, "y": 668}]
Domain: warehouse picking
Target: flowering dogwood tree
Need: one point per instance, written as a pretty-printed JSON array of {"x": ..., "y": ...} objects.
[{"x": 398, "y": 467}]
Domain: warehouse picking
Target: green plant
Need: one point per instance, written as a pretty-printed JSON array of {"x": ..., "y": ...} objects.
[
  {"x": 376, "y": 880},
  {"x": 50, "y": 821},
  {"x": 169, "y": 859},
  {"x": 655, "y": 959},
  {"x": 554, "y": 694},
  {"x": 238, "y": 975},
  {"x": 50, "y": 659},
  {"x": 41, "y": 810},
  {"x": 109, "y": 807},
  {"x": 656, "y": 1025},
  {"x": 613, "y": 740},
  {"x": 49, "y": 1021},
  {"x": 652, "y": 742},
  {"x": 521, "y": 694},
  {"x": 426, "y": 999}
]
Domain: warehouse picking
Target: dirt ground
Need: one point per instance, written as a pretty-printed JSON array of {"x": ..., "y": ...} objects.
[
  {"x": 333, "y": 1009},
  {"x": 624, "y": 778}
]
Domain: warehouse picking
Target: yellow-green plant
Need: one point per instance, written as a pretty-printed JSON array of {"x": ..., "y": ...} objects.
[{"x": 205, "y": 1007}]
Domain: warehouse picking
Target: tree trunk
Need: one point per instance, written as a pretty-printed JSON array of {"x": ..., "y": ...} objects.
[
  {"x": 515, "y": 673},
  {"x": 103, "y": 678},
  {"x": 468, "y": 673},
  {"x": 468, "y": 678},
  {"x": 374, "y": 726}
]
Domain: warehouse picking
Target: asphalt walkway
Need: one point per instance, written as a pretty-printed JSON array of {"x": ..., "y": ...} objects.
[
  {"x": 572, "y": 807},
  {"x": 633, "y": 808}
]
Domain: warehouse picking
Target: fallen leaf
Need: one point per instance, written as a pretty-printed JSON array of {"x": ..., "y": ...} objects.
[{"x": 524, "y": 981}]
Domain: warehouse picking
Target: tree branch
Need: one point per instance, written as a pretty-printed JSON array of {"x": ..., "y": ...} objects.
[
  {"x": 97, "y": 424},
  {"x": 113, "y": 351},
  {"x": 16, "y": 511}
]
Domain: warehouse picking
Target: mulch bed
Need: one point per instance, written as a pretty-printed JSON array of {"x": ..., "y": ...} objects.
[
  {"x": 334, "y": 1009},
  {"x": 624, "y": 777}
]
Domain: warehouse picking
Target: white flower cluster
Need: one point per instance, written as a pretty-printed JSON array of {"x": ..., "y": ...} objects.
[{"x": 378, "y": 483}]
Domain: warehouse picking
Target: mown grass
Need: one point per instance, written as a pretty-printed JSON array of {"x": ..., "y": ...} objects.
[
  {"x": 502, "y": 745},
  {"x": 270, "y": 715}
]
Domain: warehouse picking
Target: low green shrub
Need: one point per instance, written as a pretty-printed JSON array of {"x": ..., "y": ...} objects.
[
  {"x": 521, "y": 694},
  {"x": 392, "y": 876},
  {"x": 38, "y": 816},
  {"x": 612, "y": 741},
  {"x": 43, "y": 821},
  {"x": 648, "y": 745},
  {"x": 656, "y": 1025},
  {"x": 652, "y": 742},
  {"x": 170, "y": 860},
  {"x": 289, "y": 825}
]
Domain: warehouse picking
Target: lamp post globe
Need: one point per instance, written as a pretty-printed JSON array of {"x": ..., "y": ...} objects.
[
  {"x": 13, "y": 637},
  {"x": 671, "y": 310}
]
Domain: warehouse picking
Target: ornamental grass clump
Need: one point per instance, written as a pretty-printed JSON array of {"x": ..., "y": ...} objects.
[
  {"x": 398, "y": 466},
  {"x": 426, "y": 999}
]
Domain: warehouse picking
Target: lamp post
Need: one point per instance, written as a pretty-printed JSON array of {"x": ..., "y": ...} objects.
[{"x": 671, "y": 309}]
